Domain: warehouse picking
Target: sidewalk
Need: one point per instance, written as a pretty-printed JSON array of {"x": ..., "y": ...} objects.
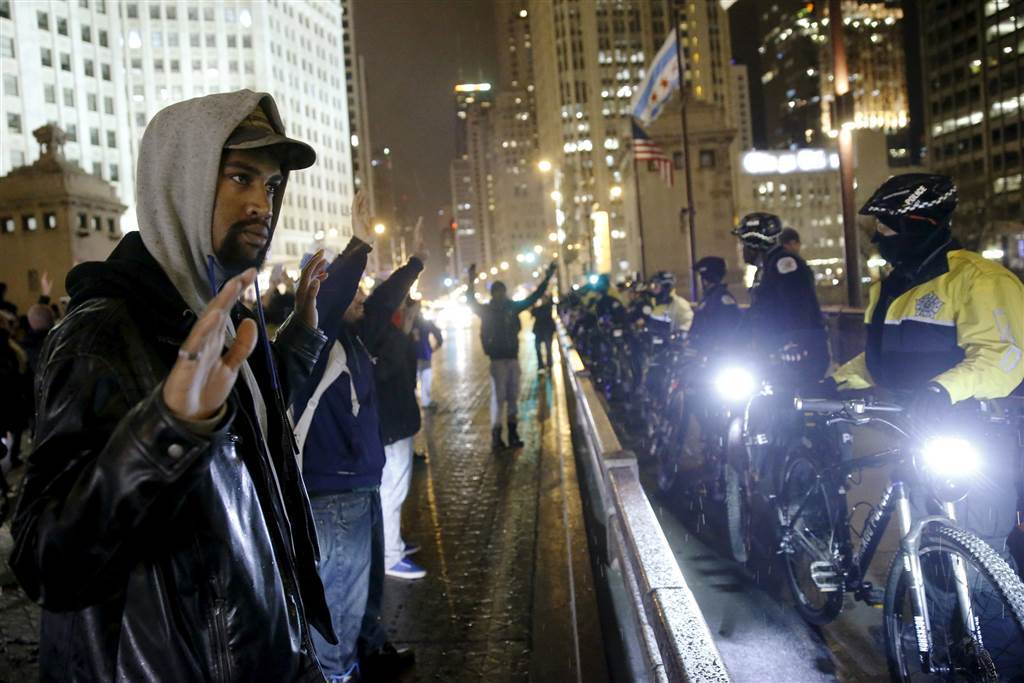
[{"x": 509, "y": 594}]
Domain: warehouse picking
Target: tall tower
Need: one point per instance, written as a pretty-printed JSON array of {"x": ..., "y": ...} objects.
[
  {"x": 519, "y": 219},
  {"x": 471, "y": 174},
  {"x": 974, "y": 108},
  {"x": 588, "y": 57},
  {"x": 101, "y": 70}
]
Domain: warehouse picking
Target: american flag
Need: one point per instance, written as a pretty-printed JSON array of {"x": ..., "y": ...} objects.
[{"x": 645, "y": 150}]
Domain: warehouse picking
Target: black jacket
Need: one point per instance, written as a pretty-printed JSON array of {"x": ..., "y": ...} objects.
[
  {"x": 499, "y": 321},
  {"x": 395, "y": 374},
  {"x": 716, "y": 320},
  {"x": 158, "y": 553}
]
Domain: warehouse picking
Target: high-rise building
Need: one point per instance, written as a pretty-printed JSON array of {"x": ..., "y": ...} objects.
[
  {"x": 519, "y": 218},
  {"x": 588, "y": 57},
  {"x": 741, "y": 102},
  {"x": 472, "y": 176},
  {"x": 790, "y": 74},
  {"x": 359, "y": 135},
  {"x": 101, "y": 69},
  {"x": 796, "y": 73},
  {"x": 973, "y": 65}
]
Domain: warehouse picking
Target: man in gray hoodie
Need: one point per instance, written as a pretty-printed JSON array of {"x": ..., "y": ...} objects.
[{"x": 164, "y": 526}]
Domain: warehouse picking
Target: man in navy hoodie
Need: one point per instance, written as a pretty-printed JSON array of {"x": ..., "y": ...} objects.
[{"x": 342, "y": 457}]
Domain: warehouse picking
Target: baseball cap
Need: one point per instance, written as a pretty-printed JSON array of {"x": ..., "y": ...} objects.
[{"x": 256, "y": 132}]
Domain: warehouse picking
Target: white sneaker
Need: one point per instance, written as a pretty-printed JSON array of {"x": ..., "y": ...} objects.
[{"x": 406, "y": 569}]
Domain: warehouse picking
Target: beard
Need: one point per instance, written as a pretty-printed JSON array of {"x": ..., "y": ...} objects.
[{"x": 235, "y": 256}]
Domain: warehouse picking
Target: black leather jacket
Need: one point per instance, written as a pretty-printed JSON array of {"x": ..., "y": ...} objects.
[{"x": 159, "y": 554}]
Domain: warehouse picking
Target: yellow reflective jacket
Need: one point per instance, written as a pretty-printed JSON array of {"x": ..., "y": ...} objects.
[{"x": 962, "y": 329}]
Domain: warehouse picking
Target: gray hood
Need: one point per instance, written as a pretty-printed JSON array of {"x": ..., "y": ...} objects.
[
  {"x": 179, "y": 166},
  {"x": 176, "y": 184}
]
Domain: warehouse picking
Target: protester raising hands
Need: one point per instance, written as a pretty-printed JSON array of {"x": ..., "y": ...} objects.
[
  {"x": 361, "y": 219},
  {"x": 204, "y": 374},
  {"x": 313, "y": 273}
]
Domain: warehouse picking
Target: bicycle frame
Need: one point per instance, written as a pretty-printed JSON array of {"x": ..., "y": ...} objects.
[{"x": 896, "y": 501}]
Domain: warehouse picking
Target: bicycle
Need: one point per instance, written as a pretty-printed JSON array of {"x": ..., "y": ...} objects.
[{"x": 953, "y": 608}]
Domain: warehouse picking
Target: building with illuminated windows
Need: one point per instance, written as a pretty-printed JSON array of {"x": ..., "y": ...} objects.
[
  {"x": 521, "y": 202},
  {"x": 801, "y": 186},
  {"x": 101, "y": 69},
  {"x": 796, "y": 73},
  {"x": 973, "y": 61},
  {"x": 472, "y": 177},
  {"x": 588, "y": 57}
]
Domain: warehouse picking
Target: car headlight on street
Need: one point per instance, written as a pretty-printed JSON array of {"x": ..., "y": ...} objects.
[
  {"x": 950, "y": 457},
  {"x": 735, "y": 384}
]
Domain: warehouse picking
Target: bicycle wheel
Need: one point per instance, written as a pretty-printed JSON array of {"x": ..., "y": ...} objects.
[
  {"x": 997, "y": 600},
  {"x": 669, "y": 444},
  {"x": 737, "y": 512},
  {"x": 810, "y": 514}
]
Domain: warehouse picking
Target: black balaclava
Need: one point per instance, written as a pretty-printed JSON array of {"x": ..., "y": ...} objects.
[{"x": 915, "y": 240}]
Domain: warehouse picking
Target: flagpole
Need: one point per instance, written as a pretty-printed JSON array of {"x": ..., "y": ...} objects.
[
  {"x": 639, "y": 210},
  {"x": 690, "y": 208}
]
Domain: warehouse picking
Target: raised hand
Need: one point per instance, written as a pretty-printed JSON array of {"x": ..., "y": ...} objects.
[
  {"x": 361, "y": 217},
  {"x": 45, "y": 284},
  {"x": 313, "y": 273},
  {"x": 471, "y": 272},
  {"x": 204, "y": 374}
]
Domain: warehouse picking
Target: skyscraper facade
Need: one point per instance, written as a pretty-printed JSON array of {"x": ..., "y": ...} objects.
[
  {"x": 102, "y": 69},
  {"x": 588, "y": 57},
  {"x": 519, "y": 219},
  {"x": 472, "y": 177},
  {"x": 973, "y": 63},
  {"x": 797, "y": 81}
]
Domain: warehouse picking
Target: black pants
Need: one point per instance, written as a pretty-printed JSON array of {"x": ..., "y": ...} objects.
[{"x": 543, "y": 341}]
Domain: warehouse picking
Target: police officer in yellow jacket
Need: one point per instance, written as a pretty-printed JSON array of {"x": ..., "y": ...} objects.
[{"x": 946, "y": 325}]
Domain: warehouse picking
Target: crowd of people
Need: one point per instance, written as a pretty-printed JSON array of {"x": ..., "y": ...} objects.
[{"x": 215, "y": 489}]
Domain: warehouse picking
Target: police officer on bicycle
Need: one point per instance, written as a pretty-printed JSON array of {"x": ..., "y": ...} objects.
[
  {"x": 784, "y": 315},
  {"x": 945, "y": 325},
  {"x": 717, "y": 316}
]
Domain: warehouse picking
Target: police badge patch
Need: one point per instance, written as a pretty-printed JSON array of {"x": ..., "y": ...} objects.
[{"x": 928, "y": 306}]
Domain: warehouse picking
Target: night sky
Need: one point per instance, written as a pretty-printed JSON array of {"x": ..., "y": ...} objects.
[{"x": 415, "y": 52}]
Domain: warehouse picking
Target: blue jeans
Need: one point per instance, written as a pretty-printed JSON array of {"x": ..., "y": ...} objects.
[{"x": 350, "y": 532}]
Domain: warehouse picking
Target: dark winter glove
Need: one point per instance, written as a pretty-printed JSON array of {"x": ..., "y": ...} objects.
[
  {"x": 793, "y": 353},
  {"x": 931, "y": 405},
  {"x": 827, "y": 388}
]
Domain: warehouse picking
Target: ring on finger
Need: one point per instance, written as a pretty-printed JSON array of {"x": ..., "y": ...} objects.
[{"x": 191, "y": 356}]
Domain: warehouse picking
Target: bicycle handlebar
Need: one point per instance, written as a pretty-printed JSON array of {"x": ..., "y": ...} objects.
[{"x": 826, "y": 406}]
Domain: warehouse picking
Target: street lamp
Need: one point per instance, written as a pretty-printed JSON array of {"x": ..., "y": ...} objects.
[
  {"x": 544, "y": 166},
  {"x": 379, "y": 228},
  {"x": 504, "y": 265},
  {"x": 615, "y": 192},
  {"x": 556, "y": 196}
]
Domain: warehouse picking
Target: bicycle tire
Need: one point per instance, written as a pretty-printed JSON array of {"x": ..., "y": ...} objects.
[
  {"x": 737, "y": 513},
  {"x": 819, "y": 511},
  {"x": 1009, "y": 617}
]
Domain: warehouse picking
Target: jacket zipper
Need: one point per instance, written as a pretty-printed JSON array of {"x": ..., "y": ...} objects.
[{"x": 220, "y": 642}]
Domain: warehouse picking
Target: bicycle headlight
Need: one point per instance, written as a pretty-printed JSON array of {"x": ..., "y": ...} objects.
[
  {"x": 950, "y": 457},
  {"x": 735, "y": 384}
]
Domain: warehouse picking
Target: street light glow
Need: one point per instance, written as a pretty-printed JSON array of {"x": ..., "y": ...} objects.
[
  {"x": 552, "y": 237},
  {"x": 615, "y": 192},
  {"x": 556, "y": 196},
  {"x": 537, "y": 249},
  {"x": 379, "y": 228},
  {"x": 494, "y": 271},
  {"x": 504, "y": 265},
  {"x": 544, "y": 166}
]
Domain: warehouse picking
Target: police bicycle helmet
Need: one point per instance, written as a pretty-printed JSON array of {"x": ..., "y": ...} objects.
[
  {"x": 711, "y": 268},
  {"x": 913, "y": 200},
  {"x": 759, "y": 230}
]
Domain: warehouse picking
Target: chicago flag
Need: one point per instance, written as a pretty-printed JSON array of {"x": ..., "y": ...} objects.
[{"x": 662, "y": 78}]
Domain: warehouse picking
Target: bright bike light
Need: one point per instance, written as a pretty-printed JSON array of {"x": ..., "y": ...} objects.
[
  {"x": 735, "y": 384},
  {"x": 950, "y": 456}
]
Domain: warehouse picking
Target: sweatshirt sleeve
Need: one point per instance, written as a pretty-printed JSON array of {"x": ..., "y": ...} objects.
[
  {"x": 338, "y": 290},
  {"x": 386, "y": 299},
  {"x": 524, "y": 304}
]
